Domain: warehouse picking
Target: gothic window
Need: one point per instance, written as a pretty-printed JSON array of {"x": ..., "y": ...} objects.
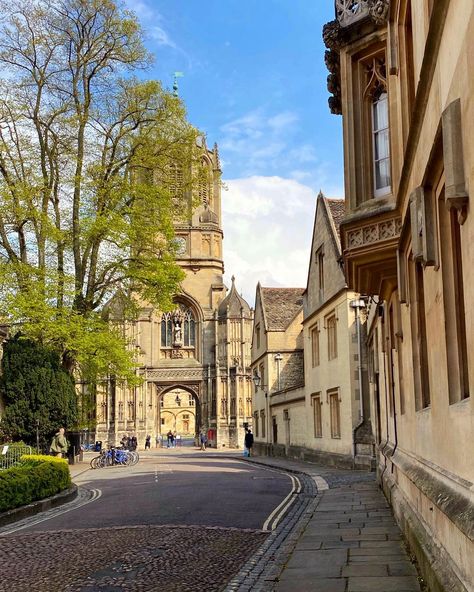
[
  {"x": 178, "y": 328},
  {"x": 176, "y": 182},
  {"x": 189, "y": 329},
  {"x": 381, "y": 147},
  {"x": 166, "y": 330},
  {"x": 204, "y": 187},
  {"x": 377, "y": 96}
]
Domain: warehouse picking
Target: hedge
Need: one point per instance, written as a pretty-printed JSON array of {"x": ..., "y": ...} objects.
[{"x": 36, "y": 478}]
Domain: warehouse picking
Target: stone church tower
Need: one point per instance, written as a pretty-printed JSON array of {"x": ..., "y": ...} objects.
[{"x": 194, "y": 360}]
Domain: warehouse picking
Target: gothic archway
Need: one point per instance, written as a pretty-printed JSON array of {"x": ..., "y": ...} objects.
[{"x": 178, "y": 410}]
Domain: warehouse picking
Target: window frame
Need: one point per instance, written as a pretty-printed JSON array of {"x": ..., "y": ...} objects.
[
  {"x": 331, "y": 329},
  {"x": 315, "y": 345},
  {"x": 334, "y": 401},
  {"x": 317, "y": 403}
]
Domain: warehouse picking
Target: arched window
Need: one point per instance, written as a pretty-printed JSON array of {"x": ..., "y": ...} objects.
[
  {"x": 166, "y": 330},
  {"x": 204, "y": 188},
  {"x": 178, "y": 328},
  {"x": 376, "y": 93},
  {"x": 175, "y": 181},
  {"x": 189, "y": 329}
]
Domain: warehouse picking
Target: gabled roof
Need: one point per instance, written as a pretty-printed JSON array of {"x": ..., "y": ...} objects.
[
  {"x": 280, "y": 306},
  {"x": 335, "y": 211},
  {"x": 337, "y": 207}
]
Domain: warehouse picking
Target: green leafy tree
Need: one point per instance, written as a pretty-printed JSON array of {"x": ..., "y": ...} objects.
[
  {"x": 95, "y": 165},
  {"x": 37, "y": 392}
]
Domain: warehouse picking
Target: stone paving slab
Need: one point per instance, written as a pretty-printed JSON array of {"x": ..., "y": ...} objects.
[{"x": 351, "y": 542}]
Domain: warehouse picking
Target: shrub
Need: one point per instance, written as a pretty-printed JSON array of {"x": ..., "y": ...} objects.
[{"x": 37, "y": 477}]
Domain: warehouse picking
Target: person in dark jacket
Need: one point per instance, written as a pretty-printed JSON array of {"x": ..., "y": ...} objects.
[{"x": 249, "y": 440}]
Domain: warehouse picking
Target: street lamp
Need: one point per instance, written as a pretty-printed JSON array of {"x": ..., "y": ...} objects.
[{"x": 257, "y": 380}]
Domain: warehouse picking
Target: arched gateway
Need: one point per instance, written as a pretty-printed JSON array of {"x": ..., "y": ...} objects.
[{"x": 201, "y": 348}]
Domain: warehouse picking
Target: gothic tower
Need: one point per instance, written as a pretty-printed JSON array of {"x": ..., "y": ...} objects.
[{"x": 195, "y": 360}]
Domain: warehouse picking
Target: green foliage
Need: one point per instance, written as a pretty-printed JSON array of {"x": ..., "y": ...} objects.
[
  {"x": 36, "y": 478},
  {"x": 96, "y": 166},
  {"x": 37, "y": 391}
]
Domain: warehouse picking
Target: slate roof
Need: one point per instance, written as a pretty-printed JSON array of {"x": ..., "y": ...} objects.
[
  {"x": 337, "y": 208},
  {"x": 280, "y": 306}
]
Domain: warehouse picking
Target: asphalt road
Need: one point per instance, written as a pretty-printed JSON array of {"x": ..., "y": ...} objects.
[
  {"x": 177, "y": 488},
  {"x": 180, "y": 521}
]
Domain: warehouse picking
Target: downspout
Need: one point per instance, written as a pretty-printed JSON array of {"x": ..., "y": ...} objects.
[{"x": 355, "y": 304}]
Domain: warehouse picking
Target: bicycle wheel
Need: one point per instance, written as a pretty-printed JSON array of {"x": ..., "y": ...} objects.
[{"x": 94, "y": 462}]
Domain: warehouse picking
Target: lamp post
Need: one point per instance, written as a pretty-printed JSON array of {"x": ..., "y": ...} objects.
[{"x": 257, "y": 380}]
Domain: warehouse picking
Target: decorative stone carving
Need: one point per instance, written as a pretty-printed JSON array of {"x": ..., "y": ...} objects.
[
  {"x": 332, "y": 61},
  {"x": 378, "y": 10},
  {"x": 333, "y": 35},
  {"x": 372, "y": 233},
  {"x": 351, "y": 11},
  {"x": 175, "y": 374},
  {"x": 336, "y": 35}
]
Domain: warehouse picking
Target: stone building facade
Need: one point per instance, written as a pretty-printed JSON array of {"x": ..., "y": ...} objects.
[
  {"x": 309, "y": 357},
  {"x": 199, "y": 350},
  {"x": 334, "y": 323},
  {"x": 401, "y": 76},
  {"x": 278, "y": 364}
]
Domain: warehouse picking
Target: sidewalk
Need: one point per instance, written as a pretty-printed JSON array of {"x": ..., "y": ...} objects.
[{"x": 351, "y": 543}]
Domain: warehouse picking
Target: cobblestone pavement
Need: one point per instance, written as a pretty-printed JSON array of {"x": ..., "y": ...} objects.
[{"x": 142, "y": 558}]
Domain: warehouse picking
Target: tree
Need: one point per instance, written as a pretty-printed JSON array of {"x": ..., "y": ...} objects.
[
  {"x": 37, "y": 392},
  {"x": 88, "y": 184}
]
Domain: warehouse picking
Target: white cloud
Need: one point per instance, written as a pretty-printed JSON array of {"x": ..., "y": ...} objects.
[
  {"x": 262, "y": 143},
  {"x": 151, "y": 21},
  {"x": 161, "y": 36},
  {"x": 268, "y": 223}
]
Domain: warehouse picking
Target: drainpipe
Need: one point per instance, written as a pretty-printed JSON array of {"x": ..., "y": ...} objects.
[{"x": 357, "y": 305}]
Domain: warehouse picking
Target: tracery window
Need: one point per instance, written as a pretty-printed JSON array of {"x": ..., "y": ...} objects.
[
  {"x": 204, "y": 187},
  {"x": 178, "y": 328},
  {"x": 176, "y": 181},
  {"x": 376, "y": 94}
]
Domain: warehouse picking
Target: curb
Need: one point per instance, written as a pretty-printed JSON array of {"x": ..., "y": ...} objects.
[{"x": 39, "y": 506}]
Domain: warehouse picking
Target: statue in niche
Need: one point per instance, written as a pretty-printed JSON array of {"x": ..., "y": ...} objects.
[{"x": 177, "y": 328}]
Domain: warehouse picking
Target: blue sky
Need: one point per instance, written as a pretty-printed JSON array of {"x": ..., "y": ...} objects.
[{"x": 255, "y": 83}]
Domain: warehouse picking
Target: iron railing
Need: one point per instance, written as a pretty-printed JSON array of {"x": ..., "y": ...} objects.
[{"x": 10, "y": 455}]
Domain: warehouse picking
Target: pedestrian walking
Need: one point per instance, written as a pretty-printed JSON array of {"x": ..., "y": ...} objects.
[
  {"x": 169, "y": 435},
  {"x": 174, "y": 439},
  {"x": 158, "y": 440},
  {"x": 148, "y": 442},
  {"x": 134, "y": 443},
  {"x": 59, "y": 444},
  {"x": 249, "y": 441},
  {"x": 124, "y": 441},
  {"x": 178, "y": 439},
  {"x": 203, "y": 440}
]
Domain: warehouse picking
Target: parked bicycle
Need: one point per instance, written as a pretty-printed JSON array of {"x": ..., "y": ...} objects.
[{"x": 115, "y": 457}]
